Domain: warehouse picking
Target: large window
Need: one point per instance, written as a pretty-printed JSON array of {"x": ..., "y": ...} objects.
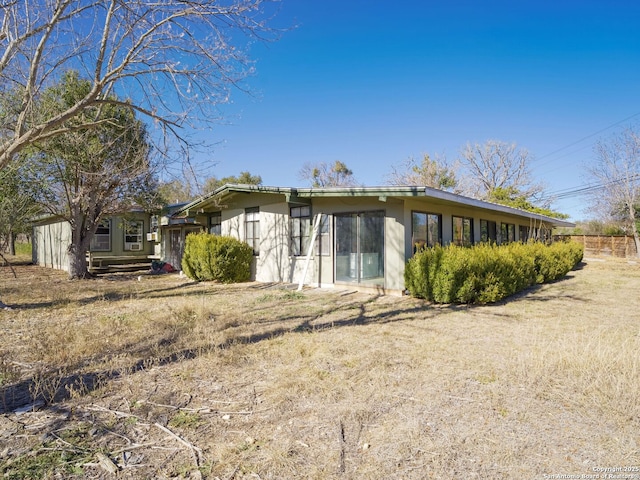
[
  {"x": 462, "y": 231},
  {"x": 426, "y": 230},
  {"x": 215, "y": 223},
  {"x": 252, "y": 228},
  {"x": 101, "y": 241},
  {"x": 524, "y": 233},
  {"x": 360, "y": 247},
  {"x": 488, "y": 231},
  {"x": 133, "y": 230},
  {"x": 507, "y": 233},
  {"x": 300, "y": 228}
]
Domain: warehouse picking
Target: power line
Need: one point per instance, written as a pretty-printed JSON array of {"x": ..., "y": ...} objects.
[
  {"x": 588, "y": 189},
  {"x": 584, "y": 138}
]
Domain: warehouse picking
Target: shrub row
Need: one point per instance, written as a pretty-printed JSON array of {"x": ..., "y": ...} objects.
[
  {"x": 213, "y": 257},
  {"x": 486, "y": 273}
]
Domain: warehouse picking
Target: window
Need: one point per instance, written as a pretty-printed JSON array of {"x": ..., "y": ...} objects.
[
  {"x": 215, "y": 223},
  {"x": 300, "y": 228},
  {"x": 252, "y": 228},
  {"x": 359, "y": 247},
  {"x": 323, "y": 245},
  {"x": 101, "y": 241},
  {"x": 462, "y": 231},
  {"x": 426, "y": 230},
  {"x": 507, "y": 233},
  {"x": 524, "y": 233},
  {"x": 133, "y": 234},
  {"x": 488, "y": 231}
]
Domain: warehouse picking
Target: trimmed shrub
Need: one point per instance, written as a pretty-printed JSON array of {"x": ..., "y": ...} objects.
[
  {"x": 486, "y": 273},
  {"x": 216, "y": 258}
]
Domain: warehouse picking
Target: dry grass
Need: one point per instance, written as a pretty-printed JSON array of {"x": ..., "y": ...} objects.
[{"x": 165, "y": 378}]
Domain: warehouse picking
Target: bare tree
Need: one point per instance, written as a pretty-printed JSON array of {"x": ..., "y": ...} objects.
[
  {"x": 617, "y": 171},
  {"x": 430, "y": 172},
  {"x": 172, "y": 60},
  {"x": 501, "y": 166},
  {"x": 322, "y": 174}
]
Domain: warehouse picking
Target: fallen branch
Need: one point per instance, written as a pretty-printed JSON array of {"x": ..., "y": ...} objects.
[{"x": 197, "y": 453}]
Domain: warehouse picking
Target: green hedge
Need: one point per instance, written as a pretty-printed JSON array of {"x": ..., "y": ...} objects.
[
  {"x": 213, "y": 257},
  {"x": 486, "y": 273}
]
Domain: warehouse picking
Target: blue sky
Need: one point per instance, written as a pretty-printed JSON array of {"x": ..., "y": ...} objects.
[{"x": 372, "y": 83}]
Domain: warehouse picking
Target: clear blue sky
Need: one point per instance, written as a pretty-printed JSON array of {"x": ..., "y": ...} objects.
[{"x": 372, "y": 83}]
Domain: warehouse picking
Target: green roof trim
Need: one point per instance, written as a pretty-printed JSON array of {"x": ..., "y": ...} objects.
[{"x": 300, "y": 195}]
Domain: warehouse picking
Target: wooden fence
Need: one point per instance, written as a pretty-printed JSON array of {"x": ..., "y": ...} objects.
[{"x": 608, "y": 245}]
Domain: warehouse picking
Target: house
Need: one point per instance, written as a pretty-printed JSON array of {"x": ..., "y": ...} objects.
[
  {"x": 120, "y": 240},
  {"x": 359, "y": 237}
]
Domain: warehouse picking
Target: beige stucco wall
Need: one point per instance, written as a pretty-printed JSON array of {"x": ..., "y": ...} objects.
[
  {"x": 276, "y": 264},
  {"x": 394, "y": 247}
]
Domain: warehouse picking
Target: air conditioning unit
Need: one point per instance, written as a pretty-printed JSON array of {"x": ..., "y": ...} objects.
[
  {"x": 152, "y": 237},
  {"x": 132, "y": 246}
]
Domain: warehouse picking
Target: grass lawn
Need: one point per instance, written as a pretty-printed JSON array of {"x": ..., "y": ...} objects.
[{"x": 129, "y": 376}]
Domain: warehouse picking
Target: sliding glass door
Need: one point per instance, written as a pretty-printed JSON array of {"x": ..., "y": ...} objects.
[{"x": 360, "y": 248}]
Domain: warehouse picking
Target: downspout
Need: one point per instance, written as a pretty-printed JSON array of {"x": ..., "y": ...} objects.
[{"x": 316, "y": 226}]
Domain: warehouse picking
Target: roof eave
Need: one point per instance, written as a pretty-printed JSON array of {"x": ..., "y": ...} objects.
[{"x": 299, "y": 194}]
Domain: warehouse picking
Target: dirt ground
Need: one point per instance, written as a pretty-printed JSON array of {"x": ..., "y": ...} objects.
[{"x": 135, "y": 376}]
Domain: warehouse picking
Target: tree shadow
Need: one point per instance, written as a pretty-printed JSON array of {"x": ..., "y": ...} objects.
[
  {"x": 177, "y": 290},
  {"x": 49, "y": 388},
  {"x": 54, "y": 386}
]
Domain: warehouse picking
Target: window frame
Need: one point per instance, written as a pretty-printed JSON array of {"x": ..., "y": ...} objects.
[
  {"x": 252, "y": 219},
  {"x": 215, "y": 223},
  {"x": 300, "y": 229},
  {"x": 488, "y": 237},
  {"x": 428, "y": 234},
  {"x": 322, "y": 245},
  {"x": 127, "y": 235},
  {"x": 462, "y": 241},
  {"x": 94, "y": 244},
  {"x": 507, "y": 230}
]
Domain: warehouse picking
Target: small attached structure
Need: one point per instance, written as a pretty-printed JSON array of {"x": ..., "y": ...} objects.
[
  {"x": 120, "y": 242},
  {"x": 361, "y": 237}
]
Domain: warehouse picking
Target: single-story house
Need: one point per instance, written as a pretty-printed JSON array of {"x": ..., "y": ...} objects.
[
  {"x": 119, "y": 240},
  {"x": 356, "y": 236}
]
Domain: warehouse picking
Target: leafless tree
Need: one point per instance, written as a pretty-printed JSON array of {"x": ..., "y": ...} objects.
[
  {"x": 497, "y": 165},
  {"x": 617, "y": 171},
  {"x": 430, "y": 172},
  {"x": 323, "y": 174},
  {"x": 173, "y": 61}
]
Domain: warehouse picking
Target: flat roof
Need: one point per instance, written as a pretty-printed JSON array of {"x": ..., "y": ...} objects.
[{"x": 384, "y": 191}]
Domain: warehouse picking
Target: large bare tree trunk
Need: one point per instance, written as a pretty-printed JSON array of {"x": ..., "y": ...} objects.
[
  {"x": 78, "y": 262},
  {"x": 82, "y": 229}
]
